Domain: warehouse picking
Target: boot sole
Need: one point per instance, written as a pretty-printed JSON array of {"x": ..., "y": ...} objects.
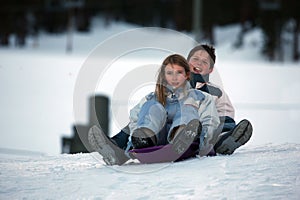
[
  {"x": 186, "y": 137},
  {"x": 239, "y": 136},
  {"x": 112, "y": 155}
]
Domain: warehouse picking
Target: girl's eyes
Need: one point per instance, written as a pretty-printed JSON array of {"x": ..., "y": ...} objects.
[{"x": 171, "y": 73}]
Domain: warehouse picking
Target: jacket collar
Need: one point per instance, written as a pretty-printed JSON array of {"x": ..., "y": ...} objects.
[{"x": 179, "y": 92}]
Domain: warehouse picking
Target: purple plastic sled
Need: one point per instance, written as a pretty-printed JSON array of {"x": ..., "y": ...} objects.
[{"x": 163, "y": 153}]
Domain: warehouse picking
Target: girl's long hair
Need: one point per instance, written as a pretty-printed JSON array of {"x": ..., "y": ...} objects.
[{"x": 161, "y": 83}]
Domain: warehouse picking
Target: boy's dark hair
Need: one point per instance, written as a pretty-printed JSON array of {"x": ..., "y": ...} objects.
[{"x": 208, "y": 48}]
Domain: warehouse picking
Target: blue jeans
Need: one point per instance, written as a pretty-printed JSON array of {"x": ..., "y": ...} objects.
[
  {"x": 227, "y": 123},
  {"x": 162, "y": 120},
  {"x": 121, "y": 139}
]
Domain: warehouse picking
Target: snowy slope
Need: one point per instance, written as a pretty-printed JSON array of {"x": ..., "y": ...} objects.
[{"x": 260, "y": 172}]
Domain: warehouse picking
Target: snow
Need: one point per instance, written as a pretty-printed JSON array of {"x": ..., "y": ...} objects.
[
  {"x": 260, "y": 172},
  {"x": 38, "y": 87}
]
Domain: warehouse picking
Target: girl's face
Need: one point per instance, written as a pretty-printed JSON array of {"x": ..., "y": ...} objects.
[
  {"x": 175, "y": 75},
  {"x": 200, "y": 63}
]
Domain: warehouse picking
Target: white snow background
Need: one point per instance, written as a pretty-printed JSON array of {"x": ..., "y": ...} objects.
[{"x": 36, "y": 110}]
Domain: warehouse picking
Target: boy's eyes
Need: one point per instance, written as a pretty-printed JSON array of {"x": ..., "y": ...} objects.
[{"x": 195, "y": 59}]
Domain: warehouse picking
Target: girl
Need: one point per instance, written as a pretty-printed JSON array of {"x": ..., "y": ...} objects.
[{"x": 175, "y": 113}]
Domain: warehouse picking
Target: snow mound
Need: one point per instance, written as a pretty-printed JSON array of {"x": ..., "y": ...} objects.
[{"x": 254, "y": 172}]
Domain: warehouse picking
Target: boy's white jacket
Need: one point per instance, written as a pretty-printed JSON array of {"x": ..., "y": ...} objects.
[
  {"x": 208, "y": 115},
  {"x": 223, "y": 103}
]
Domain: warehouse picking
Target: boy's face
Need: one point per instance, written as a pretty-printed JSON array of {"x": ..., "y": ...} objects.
[{"x": 200, "y": 63}]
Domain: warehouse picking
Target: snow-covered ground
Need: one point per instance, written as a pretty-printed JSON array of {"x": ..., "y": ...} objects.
[
  {"x": 38, "y": 107},
  {"x": 260, "y": 172}
]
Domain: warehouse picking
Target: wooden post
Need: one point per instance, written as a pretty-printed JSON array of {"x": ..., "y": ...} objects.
[{"x": 197, "y": 19}]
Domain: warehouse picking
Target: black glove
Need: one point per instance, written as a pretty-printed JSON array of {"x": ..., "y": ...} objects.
[{"x": 205, "y": 88}]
